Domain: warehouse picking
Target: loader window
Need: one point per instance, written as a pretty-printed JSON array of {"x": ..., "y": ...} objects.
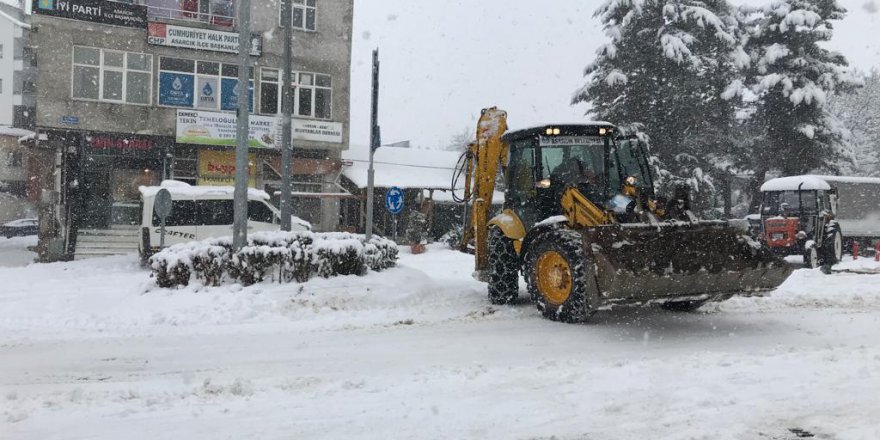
[
  {"x": 631, "y": 163},
  {"x": 522, "y": 169},
  {"x": 574, "y": 164}
]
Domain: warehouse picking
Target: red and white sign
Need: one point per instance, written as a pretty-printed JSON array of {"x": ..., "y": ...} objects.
[{"x": 162, "y": 34}]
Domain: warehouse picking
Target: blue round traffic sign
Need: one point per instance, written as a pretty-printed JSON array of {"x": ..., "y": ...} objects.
[{"x": 394, "y": 200}]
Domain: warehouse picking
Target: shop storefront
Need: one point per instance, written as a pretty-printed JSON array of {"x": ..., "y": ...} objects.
[{"x": 111, "y": 168}]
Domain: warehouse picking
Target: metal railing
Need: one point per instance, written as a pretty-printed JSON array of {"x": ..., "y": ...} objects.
[{"x": 190, "y": 15}]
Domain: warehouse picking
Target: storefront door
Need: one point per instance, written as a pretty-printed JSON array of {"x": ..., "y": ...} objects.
[{"x": 95, "y": 202}]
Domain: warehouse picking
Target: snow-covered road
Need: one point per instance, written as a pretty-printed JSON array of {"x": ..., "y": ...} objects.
[{"x": 91, "y": 350}]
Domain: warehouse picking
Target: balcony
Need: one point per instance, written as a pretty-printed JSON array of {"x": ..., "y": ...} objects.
[{"x": 220, "y": 13}]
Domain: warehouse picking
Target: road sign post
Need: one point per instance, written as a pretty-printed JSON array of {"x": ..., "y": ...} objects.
[
  {"x": 374, "y": 143},
  {"x": 394, "y": 205},
  {"x": 162, "y": 208}
]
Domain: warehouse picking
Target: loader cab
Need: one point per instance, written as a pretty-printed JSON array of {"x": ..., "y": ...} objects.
[{"x": 544, "y": 161}]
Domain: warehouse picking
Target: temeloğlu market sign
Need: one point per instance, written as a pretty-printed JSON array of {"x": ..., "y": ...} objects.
[
  {"x": 162, "y": 34},
  {"x": 97, "y": 11}
]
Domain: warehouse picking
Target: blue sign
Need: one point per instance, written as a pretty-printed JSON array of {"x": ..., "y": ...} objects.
[
  {"x": 394, "y": 200},
  {"x": 70, "y": 120},
  {"x": 176, "y": 89},
  {"x": 229, "y": 94}
]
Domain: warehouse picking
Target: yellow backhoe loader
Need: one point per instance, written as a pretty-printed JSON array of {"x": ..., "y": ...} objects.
[{"x": 583, "y": 225}]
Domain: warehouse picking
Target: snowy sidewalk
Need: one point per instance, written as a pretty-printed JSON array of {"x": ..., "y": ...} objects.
[{"x": 92, "y": 350}]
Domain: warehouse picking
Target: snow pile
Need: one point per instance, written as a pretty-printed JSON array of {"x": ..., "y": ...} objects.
[{"x": 282, "y": 256}]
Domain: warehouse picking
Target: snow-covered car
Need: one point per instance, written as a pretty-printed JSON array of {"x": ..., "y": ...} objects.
[{"x": 20, "y": 228}]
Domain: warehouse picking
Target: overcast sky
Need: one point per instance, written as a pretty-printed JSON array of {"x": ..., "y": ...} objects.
[{"x": 441, "y": 62}]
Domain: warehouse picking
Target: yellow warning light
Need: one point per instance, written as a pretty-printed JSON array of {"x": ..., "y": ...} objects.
[
  {"x": 602, "y": 131},
  {"x": 555, "y": 131},
  {"x": 549, "y": 131}
]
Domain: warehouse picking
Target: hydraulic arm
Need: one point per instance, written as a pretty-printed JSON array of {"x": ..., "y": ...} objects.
[{"x": 483, "y": 159}]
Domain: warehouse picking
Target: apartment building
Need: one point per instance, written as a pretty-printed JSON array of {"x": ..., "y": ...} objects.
[
  {"x": 16, "y": 68},
  {"x": 131, "y": 93}
]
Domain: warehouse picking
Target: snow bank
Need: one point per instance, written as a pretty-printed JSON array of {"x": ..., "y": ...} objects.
[{"x": 281, "y": 256}]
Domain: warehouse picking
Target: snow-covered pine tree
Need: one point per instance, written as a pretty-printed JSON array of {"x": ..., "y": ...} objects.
[
  {"x": 793, "y": 77},
  {"x": 860, "y": 114},
  {"x": 666, "y": 66}
]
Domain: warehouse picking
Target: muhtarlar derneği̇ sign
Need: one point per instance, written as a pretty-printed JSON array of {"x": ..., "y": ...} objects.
[{"x": 162, "y": 34}]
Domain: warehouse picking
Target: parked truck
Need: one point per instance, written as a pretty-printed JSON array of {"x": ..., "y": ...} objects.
[{"x": 820, "y": 216}]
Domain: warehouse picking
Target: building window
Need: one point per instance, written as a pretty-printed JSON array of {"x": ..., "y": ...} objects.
[
  {"x": 203, "y": 85},
  {"x": 112, "y": 76},
  {"x": 216, "y": 12},
  {"x": 14, "y": 159},
  {"x": 303, "y": 15},
  {"x": 312, "y": 95},
  {"x": 1, "y": 51}
]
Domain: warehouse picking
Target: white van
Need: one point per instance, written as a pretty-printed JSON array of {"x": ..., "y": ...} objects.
[{"x": 200, "y": 212}]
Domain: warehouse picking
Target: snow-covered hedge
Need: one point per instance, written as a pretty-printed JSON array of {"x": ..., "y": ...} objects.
[{"x": 281, "y": 256}]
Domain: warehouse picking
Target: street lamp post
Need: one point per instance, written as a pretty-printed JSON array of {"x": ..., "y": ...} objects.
[
  {"x": 239, "y": 208},
  {"x": 287, "y": 112},
  {"x": 375, "y": 141}
]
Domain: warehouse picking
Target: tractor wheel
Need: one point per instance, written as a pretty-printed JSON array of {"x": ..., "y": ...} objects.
[
  {"x": 832, "y": 248},
  {"x": 811, "y": 258},
  {"x": 683, "y": 306},
  {"x": 560, "y": 276},
  {"x": 503, "y": 268}
]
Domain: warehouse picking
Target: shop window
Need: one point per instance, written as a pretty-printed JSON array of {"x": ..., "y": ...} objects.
[
  {"x": 303, "y": 15},
  {"x": 112, "y": 76},
  {"x": 204, "y": 85},
  {"x": 312, "y": 94}
]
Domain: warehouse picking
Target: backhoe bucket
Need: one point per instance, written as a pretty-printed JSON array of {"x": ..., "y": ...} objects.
[{"x": 640, "y": 263}]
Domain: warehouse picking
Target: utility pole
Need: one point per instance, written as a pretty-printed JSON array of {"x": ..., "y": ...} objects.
[
  {"x": 375, "y": 141},
  {"x": 287, "y": 112},
  {"x": 239, "y": 207}
]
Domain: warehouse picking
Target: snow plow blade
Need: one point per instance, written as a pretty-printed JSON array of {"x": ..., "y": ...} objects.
[{"x": 677, "y": 261}]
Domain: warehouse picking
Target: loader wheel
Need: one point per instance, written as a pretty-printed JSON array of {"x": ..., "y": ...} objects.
[
  {"x": 557, "y": 273},
  {"x": 503, "y": 268}
]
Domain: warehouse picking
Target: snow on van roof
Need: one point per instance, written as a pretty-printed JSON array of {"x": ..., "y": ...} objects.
[
  {"x": 183, "y": 189},
  {"x": 812, "y": 182}
]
